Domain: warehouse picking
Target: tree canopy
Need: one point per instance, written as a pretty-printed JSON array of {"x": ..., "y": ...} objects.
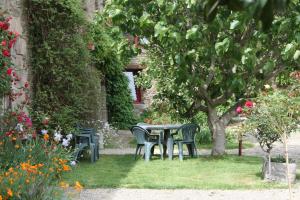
[{"x": 200, "y": 66}]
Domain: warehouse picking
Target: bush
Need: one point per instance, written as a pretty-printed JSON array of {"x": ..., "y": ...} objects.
[{"x": 111, "y": 54}]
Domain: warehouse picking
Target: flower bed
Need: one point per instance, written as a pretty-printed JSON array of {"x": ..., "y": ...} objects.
[{"x": 31, "y": 161}]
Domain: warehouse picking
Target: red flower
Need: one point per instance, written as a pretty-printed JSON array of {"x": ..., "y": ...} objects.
[
  {"x": 5, "y": 53},
  {"x": 3, "y": 43},
  {"x": 249, "y": 104},
  {"x": 4, "y": 25},
  {"x": 12, "y": 42},
  {"x": 9, "y": 71},
  {"x": 8, "y": 19},
  {"x": 28, "y": 122},
  {"x": 239, "y": 110},
  {"x": 26, "y": 85}
]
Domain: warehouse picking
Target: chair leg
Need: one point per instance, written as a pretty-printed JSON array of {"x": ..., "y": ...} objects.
[
  {"x": 136, "y": 150},
  {"x": 195, "y": 149},
  {"x": 141, "y": 146},
  {"x": 148, "y": 147},
  {"x": 92, "y": 148},
  {"x": 190, "y": 149},
  {"x": 161, "y": 151},
  {"x": 180, "y": 151}
]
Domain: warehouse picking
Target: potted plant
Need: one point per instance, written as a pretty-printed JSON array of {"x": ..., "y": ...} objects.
[{"x": 274, "y": 117}]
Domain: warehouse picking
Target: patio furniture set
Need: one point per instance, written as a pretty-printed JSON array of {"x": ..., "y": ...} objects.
[
  {"x": 165, "y": 139},
  {"x": 147, "y": 137}
]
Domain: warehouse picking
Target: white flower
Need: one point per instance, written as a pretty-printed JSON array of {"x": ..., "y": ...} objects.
[
  {"x": 73, "y": 163},
  {"x": 66, "y": 142},
  {"x": 267, "y": 87},
  {"x": 57, "y": 136},
  {"x": 69, "y": 136},
  {"x": 19, "y": 127},
  {"x": 44, "y": 131}
]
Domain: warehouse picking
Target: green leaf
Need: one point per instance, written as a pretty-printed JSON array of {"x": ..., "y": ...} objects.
[
  {"x": 160, "y": 30},
  {"x": 296, "y": 55},
  {"x": 176, "y": 36},
  {"x": 269, "y": 66},
  {"x": 222, "y": 47},
  {"x": 192, "y": 33},
  {"x": 234, "y": 24}
]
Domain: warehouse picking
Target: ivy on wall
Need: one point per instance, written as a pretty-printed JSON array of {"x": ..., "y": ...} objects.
[
  {"x": 111, "y": 55},
  {"x": 65, "y": 86}
]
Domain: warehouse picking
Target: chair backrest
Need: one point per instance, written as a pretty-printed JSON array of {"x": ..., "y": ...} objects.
[
  {"x": 188, "y": 132},
  {"x": 141, "y": 135}
]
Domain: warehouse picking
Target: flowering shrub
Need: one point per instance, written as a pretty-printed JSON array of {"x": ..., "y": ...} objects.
[
  {"x": 31, "y": 161},
  {"x": 7, "y": 39}
]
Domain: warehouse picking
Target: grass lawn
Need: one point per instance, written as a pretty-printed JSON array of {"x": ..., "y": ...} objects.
[
  {"x": 226, "y": 172},
  {"x": 229, "y": 145}
]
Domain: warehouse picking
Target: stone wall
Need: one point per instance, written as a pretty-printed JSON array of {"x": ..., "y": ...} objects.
[
  {"x": 19, "y": 53},
  {"x": 90, "y": 7}
]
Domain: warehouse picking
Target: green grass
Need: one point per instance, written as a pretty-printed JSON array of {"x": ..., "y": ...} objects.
[
  {"x": 229, "y": 145},
  {"x": 226, "y": 172}
]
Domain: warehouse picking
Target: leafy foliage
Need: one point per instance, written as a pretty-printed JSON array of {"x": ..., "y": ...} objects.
[
  {"x": 65, "y": 86},
  {"x": 200, "y": 66},
  {"x": 262, "y": 10},
  {"x": 111, "y": 55},
  {"x": 275, "y": 114}
]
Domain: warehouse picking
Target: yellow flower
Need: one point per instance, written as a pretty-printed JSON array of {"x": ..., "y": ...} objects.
[
  {"x": 63, "y": 184},
  {"x": 78, "y": 186},
  {"x": 17, "y": 146},
  {"x": 27, "y": 181},
  {"x": 9, "y": 192},
  {"x": 0, "y": 197}
]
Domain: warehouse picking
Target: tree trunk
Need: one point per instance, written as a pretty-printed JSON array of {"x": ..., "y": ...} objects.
[{"x": 217, "y": 128}]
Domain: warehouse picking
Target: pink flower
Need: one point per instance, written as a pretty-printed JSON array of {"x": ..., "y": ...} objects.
[
  {"x": 28, "y": 122},
  {"x": 249, "y": 104},
  {"x": 239, "y": 110},
  {"x": 3, "y": 43}
]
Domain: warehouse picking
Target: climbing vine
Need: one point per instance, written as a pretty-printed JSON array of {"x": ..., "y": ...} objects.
[
  {"x": 65, "y": 86},
  {"x": 111, "y": 55}
]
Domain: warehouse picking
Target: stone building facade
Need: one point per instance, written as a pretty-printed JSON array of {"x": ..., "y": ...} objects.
[{"x": 20, "y": 53}]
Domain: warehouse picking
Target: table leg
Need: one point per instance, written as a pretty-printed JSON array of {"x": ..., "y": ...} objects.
[
  {"x": 169, "y": 143},
  {"x": 170, "y": 147}
]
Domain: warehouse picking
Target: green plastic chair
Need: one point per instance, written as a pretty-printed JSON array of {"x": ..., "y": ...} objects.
[
  {"x": 87, "y": 139},
  {"x": 188, "y": 133},
  {"x": 144, "y": 139}
]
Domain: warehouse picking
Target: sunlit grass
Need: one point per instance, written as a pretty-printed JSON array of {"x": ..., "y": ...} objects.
[{"x": 226, "y": 172}]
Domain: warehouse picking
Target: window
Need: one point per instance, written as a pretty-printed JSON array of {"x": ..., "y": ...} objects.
[{"x": 136, "y": 92}]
